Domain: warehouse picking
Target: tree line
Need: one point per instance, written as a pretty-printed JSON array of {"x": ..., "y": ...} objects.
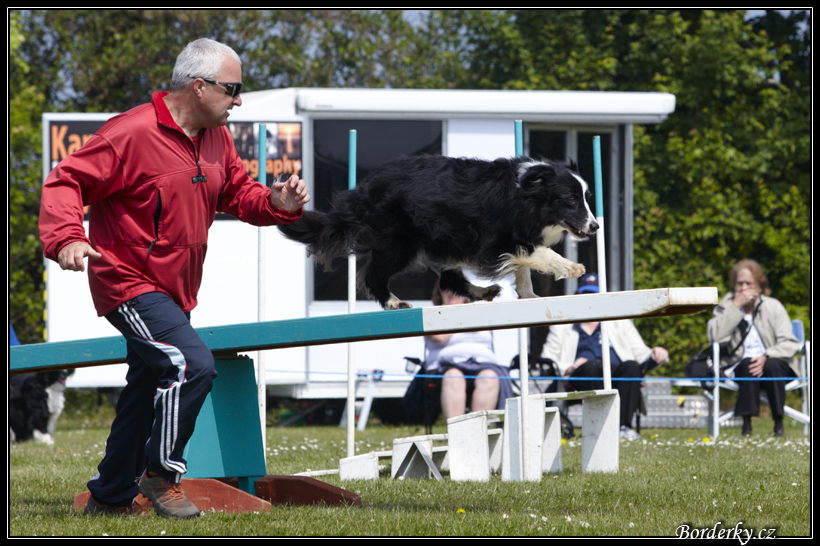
[{"x": 727, "y": 176}]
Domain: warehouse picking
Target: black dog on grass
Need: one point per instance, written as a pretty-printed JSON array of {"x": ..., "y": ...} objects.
[
  {"x": 492, "y": 217},
  {"x": 36, "y": 401}
]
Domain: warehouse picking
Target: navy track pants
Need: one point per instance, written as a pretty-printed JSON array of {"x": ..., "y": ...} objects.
[{"x": 170, "y": 373}]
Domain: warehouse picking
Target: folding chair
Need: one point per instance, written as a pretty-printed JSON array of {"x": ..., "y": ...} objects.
[
  {"x": 802, "y": 382},
  {"x": 428, "y": 395}
]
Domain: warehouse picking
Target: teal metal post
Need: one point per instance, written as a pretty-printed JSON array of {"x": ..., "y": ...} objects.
[
  {"x": 351, "y": 166},
  {"x": 599, "y": 192},
  {"x": 263, "y": 154},
  {"x": 519, "y": 138}
]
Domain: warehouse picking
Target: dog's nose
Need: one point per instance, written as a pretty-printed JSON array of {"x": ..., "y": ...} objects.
[{"x": 593, "y": 226}]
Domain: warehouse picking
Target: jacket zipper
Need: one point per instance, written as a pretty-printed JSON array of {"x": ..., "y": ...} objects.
[
  {"x": 157, "y": 213},
  {"x": 199, "y": 178}
]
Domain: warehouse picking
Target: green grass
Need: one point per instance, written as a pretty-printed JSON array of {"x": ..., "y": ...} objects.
[{"x": 669, "y": 478}]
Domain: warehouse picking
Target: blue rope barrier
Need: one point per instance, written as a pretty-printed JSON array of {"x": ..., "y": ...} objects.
[{"x": 556, "y": 378}]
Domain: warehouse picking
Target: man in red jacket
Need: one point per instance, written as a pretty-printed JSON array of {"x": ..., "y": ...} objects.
[{"x": 154, "y": 178}]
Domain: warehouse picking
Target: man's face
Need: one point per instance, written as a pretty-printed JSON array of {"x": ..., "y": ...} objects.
[{"x": 216, "y": 103}]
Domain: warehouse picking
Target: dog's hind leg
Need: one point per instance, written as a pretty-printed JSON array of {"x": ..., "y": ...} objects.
[
  {"x": 455, "y": 282},
  {"x": 376, "y": 277},
  {"x": 523, "y": 283},
  {"x": 376, "y": 281}
]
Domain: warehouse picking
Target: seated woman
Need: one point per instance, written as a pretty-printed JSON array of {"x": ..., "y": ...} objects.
[
  {"x": 469, "y": 366},
  {"x": 757, "y": 329}
]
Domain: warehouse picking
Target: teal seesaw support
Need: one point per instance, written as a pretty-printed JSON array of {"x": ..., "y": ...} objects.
[{"x": 227, "y": 440}]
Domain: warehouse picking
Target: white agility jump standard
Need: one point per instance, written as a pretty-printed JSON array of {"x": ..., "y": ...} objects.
[
  {"x": 599, "y": 434},
  {"x": 419, "y": 457},
  {"x": 475, "y": 442},
  {"x": 482, "y": 443},
  {"x": 412, "y": 457}
]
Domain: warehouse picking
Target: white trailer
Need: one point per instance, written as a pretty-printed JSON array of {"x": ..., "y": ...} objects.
[{"x": 307, "y": 133}]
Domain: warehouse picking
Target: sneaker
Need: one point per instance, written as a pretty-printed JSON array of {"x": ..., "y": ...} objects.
[
  {"x": 629, "y": 434},
  {"x": 169, "y": 499},
  {"x": 93, "y": 508}
]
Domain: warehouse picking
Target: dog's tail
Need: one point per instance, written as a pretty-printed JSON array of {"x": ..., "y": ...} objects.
[
  {"x": 314, "y": 230},
  {"x": 326, "y": 236}
]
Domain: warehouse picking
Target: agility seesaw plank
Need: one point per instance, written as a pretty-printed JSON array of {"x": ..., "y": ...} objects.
[{"x": 236, "y": 338}]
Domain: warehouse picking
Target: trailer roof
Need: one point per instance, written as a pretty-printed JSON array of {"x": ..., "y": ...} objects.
[{"x": 554, "y": 106}]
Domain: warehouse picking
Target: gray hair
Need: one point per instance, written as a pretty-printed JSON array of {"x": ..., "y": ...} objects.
[{"x": 200, "y": 59}]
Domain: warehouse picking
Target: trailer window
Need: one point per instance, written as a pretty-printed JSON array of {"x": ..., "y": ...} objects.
[{"x": 377, "y": 141}]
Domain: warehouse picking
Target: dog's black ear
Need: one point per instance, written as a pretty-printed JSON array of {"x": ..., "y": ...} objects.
[
  {"x": 536, "y": 174},
  {"x": 571, "y": 164}
]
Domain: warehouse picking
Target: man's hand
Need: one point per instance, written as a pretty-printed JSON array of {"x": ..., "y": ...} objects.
[
  {"x": 71, "y": 255},
  {"x": 290, "y": 195}
]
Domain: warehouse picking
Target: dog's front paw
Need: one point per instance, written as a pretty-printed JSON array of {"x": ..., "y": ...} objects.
[
  {"x": 570, "y": 270},
  {"x": 576, "y": 271}
]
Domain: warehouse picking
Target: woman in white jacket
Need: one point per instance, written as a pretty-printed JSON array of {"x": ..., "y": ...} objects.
[
  {"x": 576, "y": 350},
  {"x": 758, "y": 331}
]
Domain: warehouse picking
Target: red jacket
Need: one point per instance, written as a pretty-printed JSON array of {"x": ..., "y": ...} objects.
[{"x": 149, "y": 210}]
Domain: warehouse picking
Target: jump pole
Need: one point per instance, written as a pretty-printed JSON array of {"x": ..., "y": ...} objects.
[
  {"x": 523, "y": 349},
  {"x": 351, "y": 308},
  {"x": 599, "y": 213},
  {"x": 261, "y": 380}
]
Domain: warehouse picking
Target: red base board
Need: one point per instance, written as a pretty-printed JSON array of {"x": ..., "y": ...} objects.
[
  {"x": 211, "y": 495},
  {"x": 302, "y": 490}
]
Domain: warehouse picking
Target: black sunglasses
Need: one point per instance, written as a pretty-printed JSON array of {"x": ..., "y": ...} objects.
[{"x": 231, "y": 89}]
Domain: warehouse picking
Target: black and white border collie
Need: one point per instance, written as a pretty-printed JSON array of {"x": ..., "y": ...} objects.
[
  {"x": 36, "y": 401},
  {"x": 493, "y": 217}
]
